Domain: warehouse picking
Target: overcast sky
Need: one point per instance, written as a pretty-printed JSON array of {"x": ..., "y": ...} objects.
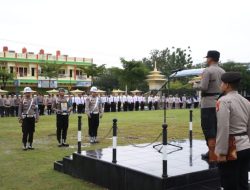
[{"x": 109, "y": 29}]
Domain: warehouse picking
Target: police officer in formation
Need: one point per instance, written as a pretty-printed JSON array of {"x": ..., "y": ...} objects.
[
  {"x": 1, "y": 106},
  {"x": 41, "y": 104},
  {"x": 80, "y": 103},
  {"x": 49, "y": 102},
  {"x": 233, "y": 122},
  {"x": 62, "y": 107},
  {"x": 210, "y": 90},
  {"x": 94, "y": 111},
  {"x": 28, "y": 116}
]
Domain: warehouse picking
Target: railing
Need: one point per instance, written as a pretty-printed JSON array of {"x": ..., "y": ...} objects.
[{"x": 30, "y": 56}]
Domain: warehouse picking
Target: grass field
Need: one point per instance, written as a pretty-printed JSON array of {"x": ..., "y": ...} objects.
[{"x": 20, "y": 170}]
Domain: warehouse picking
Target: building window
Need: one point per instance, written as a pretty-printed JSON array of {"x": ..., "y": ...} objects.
[
  {"x": 70, "y": 73},
  {"x": 22, "y": 71},
  {"x": 62, "y": 72},
  {"x": 11, "y": 69},
  {"x": 78, "y": 73},
  {"x": 32, "y": 72}
]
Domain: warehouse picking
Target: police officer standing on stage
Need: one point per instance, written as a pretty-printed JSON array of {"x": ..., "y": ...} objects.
[
  {"x": 28, "y": 116},
  {"x": 210, "y": 90},
  {"x": 62, "y": 109},
  {"x": 233, "y": 122},
  {"x": 94, "y": 111}
]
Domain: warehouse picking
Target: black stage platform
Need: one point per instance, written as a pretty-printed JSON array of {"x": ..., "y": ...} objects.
[{"x": 141, "y": 168}]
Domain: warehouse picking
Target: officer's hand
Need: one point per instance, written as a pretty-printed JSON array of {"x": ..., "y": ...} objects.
[
  {"x": 195, "y": 85},
  {"x": 36, "y": 120},
  {"x": 221, "y": 158},
  {"x": 20, "y": 120},
  {"x": 89, "y": 116},
  {"x": 101, "y": 115}
]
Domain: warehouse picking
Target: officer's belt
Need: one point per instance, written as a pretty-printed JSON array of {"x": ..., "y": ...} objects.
[
  {"x": 239, "y": 134},
  {"x": 203, "y": 94},
  {"x": 95, "y": 113},
  {"x": 62, "y": 113},
  {"x": 27, "y": 116}
]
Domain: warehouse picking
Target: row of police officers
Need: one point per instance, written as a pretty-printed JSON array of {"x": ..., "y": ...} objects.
[{"x": 28, "y": 114}]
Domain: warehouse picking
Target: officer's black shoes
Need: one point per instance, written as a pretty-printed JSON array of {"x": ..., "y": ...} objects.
[
  {"x": 60, "y": 145},
  {"x": 91, "y": 140},
  {"x": 25, "y": 148},
  {"x": 65, "y": 145},
  {"x": 31, "y": 148},
  {"x": 205, "y": 156},
  {"x": 95, "y": 140}
]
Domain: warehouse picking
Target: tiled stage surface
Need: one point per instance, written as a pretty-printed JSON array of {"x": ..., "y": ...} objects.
[
  {"x": 149, "y": 160},
  {"x": 136, "y": 167}
]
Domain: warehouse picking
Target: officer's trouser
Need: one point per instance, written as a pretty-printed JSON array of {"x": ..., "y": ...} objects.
[
  {"x": 7, "y": 111},
  {"x": 125, "y": 106},
  {"x": 119, "y": 106},
  {"x": 234, "y": 174},
  {"x": 12, "y": 111},
  {"x": 209, "y": 122},
  {"x": 74, "y": 107},
  {"x": 41, "y": 109},
  {"x": 62, "y": 124},
  {"x": 16, "y": 111},
  {"x": 137, "y": 106},
  {"x": 93, "y": 124},
  {"x": 131, "y": 106},
  {"x": 80, "y": 108},
  {"x": 156, "y": 105},
  {"x": 150, "y": 104},
  {"x": 49, "y": 109},
  {"x": 142, "y": 106},
  {"x": 28, "y": 129},
  {"x": 1, "y": 111},
  {"x": 83, "y": 108},
  {"x": 113, "y": 107}
]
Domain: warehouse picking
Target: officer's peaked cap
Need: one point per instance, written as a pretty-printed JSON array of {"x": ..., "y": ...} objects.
[
  {"x": 61, "y": 90},
  {"x": 231, "y": 77},
  {"x": 213, "y": 54}
]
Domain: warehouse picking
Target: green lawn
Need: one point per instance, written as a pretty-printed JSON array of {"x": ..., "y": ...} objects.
[{"x": 21, "y": 170}]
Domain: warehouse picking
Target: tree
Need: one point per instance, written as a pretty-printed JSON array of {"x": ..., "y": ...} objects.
[
  {"x": 50, "y": 70},
  {"x": 133, "y": 75},
  {"x": 110, "y": 79},
  {"x": 243, "y": 69},
  {"x": 5, "y": 76},
  {"x": 169, "y": 59},
  {"x": 92, "y": 70}
]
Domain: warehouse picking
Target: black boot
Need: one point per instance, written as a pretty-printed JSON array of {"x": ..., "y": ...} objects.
[
  {"x": 65, "y": 144},
  {"x": 60, "y": 143}
]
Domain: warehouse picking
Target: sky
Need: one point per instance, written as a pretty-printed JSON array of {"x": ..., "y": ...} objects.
[{"x": 106, "y": 30}]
